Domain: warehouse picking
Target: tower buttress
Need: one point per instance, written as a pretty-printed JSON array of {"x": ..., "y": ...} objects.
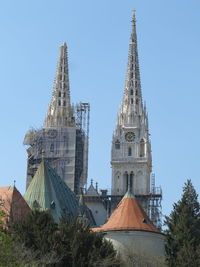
[{"x": 60, "y": 112}]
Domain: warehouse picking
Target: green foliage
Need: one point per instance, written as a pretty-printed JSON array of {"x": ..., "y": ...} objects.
[
  {"x": 183, "y": 233},
  {"x": 84, "y": 248},
  {"x": 67, "y": 244},
  {"x": 36, "y": 231},
  {"x": 7, "y": 255}
]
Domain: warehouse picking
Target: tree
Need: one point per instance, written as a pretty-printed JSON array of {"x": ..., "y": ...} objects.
[
  {"x": 7, "y": 255},
  {"x": 84, "y": 248},
  {"x": 68, "y": 244},
  {"x": 36, "y": 231},
  {"x": 183, "y": 233}
]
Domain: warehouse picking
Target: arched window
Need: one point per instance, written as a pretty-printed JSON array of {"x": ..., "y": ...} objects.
[
  {"x": 131, "y": 92},
  {"x": 129, "y": 151},
  {"x": 142, "y": 146},
  {"x": 117, "y": 144},
  {"x": 52, "y": 148},
  {"x": 136, "y": 92}
]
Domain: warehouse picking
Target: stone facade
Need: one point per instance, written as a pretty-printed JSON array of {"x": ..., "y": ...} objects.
[
  {"x": 131, "y": 148},
  {"x": 132, "y": 245},
  {"x": 61, "y": 141}
]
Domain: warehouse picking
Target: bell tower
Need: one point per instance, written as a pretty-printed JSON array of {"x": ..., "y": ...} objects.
[{"x": 131, "y": 148}]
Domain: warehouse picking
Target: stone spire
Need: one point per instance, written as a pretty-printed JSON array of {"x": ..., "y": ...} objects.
[
  {"x": 60, "y": 112},
  {"x": 131, "y": 105}
]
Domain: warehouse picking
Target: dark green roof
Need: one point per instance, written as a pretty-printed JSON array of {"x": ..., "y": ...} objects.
[{"x": 47, "y": 191}]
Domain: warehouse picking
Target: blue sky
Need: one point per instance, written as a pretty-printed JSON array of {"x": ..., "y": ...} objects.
[{"x": 97, "y": 34}]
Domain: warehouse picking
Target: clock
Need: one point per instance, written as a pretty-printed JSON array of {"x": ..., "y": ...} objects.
[
  {"x": 130, "y": 136},
  {"x": 52, "y": 133}
]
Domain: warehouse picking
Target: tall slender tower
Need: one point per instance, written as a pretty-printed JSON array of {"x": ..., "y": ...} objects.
[
  {"x": 131, "y": 149},
  {"x": 60, "y": 113},
  {"x": 62, "y": 140}
]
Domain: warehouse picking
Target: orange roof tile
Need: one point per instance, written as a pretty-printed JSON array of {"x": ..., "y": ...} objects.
[
  {"x": 13, "y": 204},
  {"x": 128, "y": 215}
]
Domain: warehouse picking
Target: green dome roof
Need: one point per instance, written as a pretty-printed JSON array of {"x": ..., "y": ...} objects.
[{"x": 47, "y": 191}]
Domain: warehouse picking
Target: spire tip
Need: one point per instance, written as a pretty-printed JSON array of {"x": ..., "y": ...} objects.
[{"x": 133, "y": 15}]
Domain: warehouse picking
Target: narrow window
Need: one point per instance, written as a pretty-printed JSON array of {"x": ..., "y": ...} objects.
[
  {"x": 64, "y": 103},
  {"x": 137, "y": 101},
  {"x": 117, "y": 144},
  {"x": 131, "y": 100},
  {"x": 126, "y": 181},
  {"x": 131, "y": 182},
  {"x": 59, "y": 102},
  {"x": 59, "y": 94},
  {"x": 64, "y": 94},
  {"x": 136, "y": 92},
  {"x": 129, "y": 151},
  {"x": 135, "y": 83},
  {"x": 131, "y": 91},
  {"x": 142, "y": 152},
  {"x": 52, "y": 148}
]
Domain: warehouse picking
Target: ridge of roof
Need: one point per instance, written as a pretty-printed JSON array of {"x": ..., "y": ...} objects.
[{"x": 47, "y": 191}]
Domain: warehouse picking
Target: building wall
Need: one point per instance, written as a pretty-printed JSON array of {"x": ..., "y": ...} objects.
[
  {"x": 129, "y": 163},
  {"x": 145, "y": 244},
  {"x": 98, "y": 210},
  {"x": 58, "y": 145}
]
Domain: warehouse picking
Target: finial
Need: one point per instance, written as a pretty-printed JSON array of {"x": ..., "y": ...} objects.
[
  {"x": 14, "y": 182},
  {"x": 133, "y": 15},
  {"x": 91, "y": 181}
]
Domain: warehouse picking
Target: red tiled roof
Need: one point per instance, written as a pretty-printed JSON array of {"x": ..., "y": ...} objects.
[
  {"x": 128, "y": 215},
  {"x": 13, "y": 204}
]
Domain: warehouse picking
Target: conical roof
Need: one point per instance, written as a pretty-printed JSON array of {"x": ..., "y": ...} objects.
[
  {"x": 47, "y": 191},
  {"x": 128, "y": 215}
]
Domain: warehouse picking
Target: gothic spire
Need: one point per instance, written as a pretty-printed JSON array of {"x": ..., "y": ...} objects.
[
  {"x": 132, "y": 98},
  {"x": 60, "y": 113}
]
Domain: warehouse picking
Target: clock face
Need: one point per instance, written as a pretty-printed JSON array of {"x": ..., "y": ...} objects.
[
  {"x": 52, "y": 133},
  {"x": 130, "y": 136}
]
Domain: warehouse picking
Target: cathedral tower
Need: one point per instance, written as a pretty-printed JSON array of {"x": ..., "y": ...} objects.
[
  {"x": 60, "y": 113},
  {"x": 62, "y": 141},
  {"x": 131, "y": 149}
]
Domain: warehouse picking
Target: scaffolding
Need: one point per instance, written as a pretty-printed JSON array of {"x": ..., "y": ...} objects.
[
  {"x": 82, "y": 115},
  {"x": 150, "y": 202}
]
